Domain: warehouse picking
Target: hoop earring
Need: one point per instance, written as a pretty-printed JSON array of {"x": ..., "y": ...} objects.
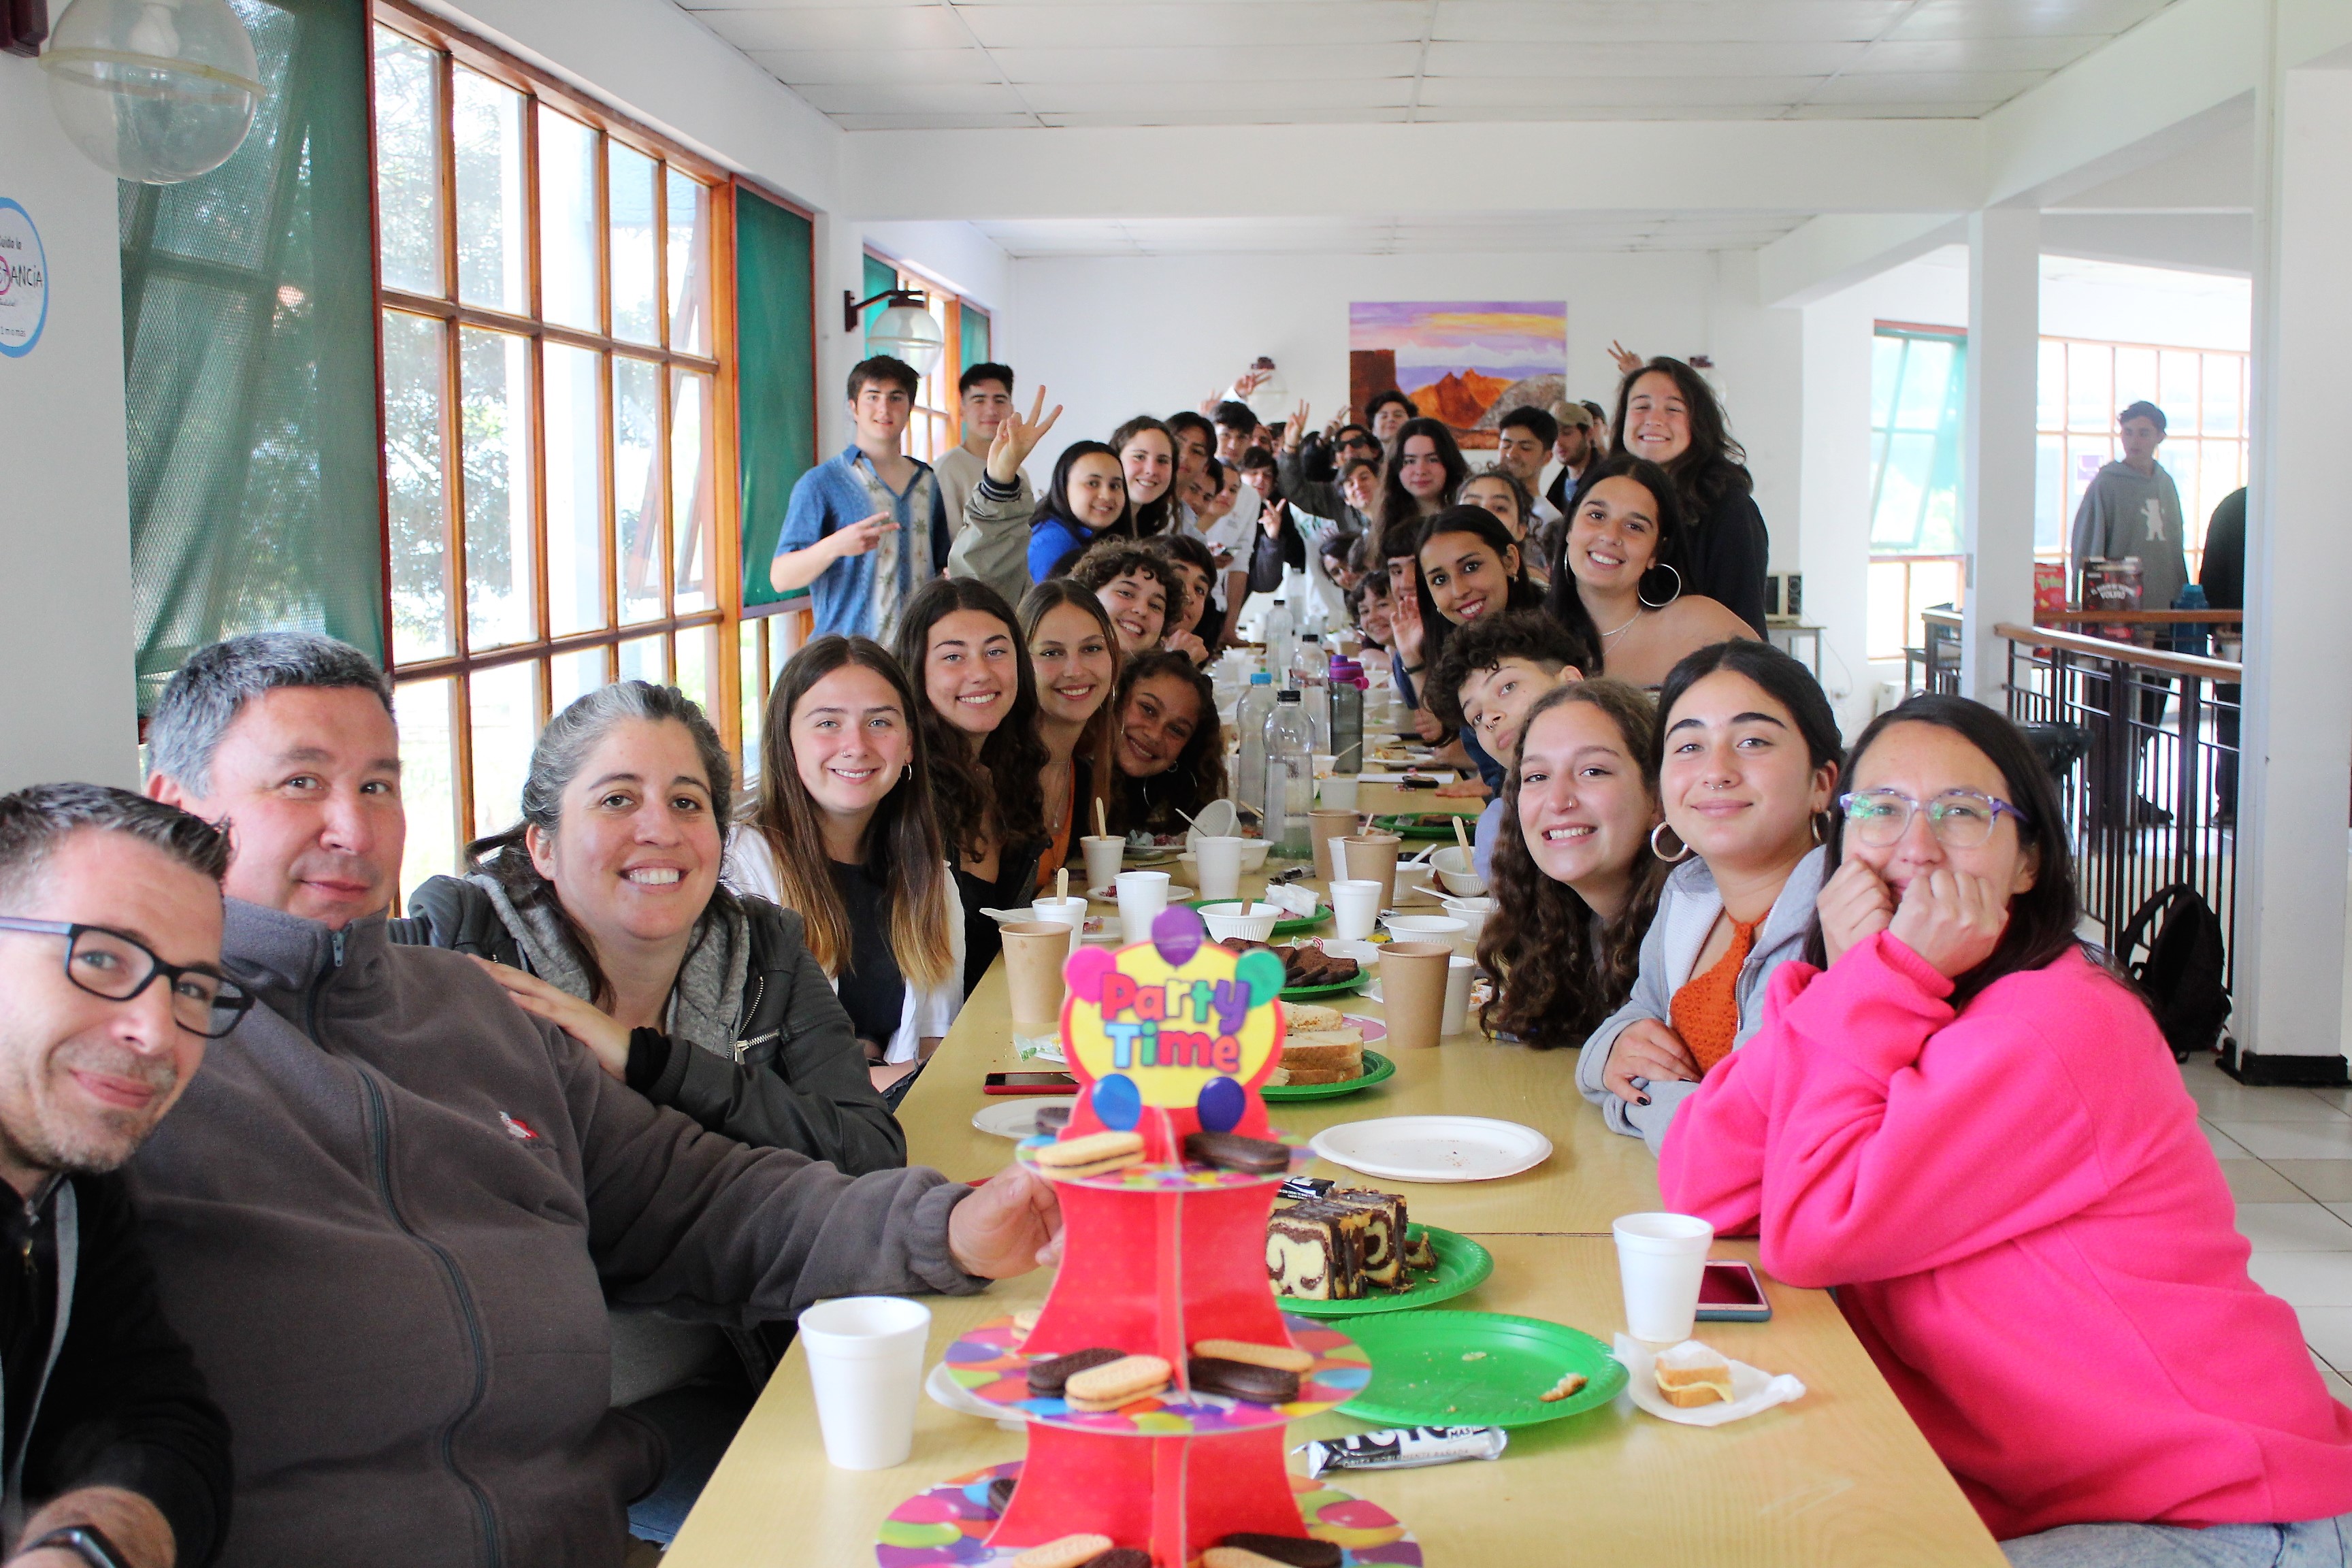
[
  {"x": 1669, "y": 859},
  {"x": 906, "y": 772},
  {"x": 1662, "y": 603}
]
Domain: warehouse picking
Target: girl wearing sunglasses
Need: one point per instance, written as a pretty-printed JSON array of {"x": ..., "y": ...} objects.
[{"x": 1963, "y": 1119}]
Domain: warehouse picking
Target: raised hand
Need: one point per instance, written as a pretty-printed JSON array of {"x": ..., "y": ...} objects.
[
  {"x": 1295, "y": 433},
  {"x": 1628, "y": 362},
  {"x": 1016, "y": 438},
  {"x": 1855, "y": 905},
  {"x": 1270, "y": 516},
  {"x": 863, "y": 537},
  {"x": 1650, "y": 1050},
  {"x": 1347, "y": 415},
  {"x": 1952, "y": 919},
  {"x": 1250, "y": 380}
]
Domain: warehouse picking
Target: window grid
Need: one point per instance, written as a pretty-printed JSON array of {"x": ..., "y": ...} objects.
[
  {"x": 1914, "y": 526},
  {"x": 473, "y": 681},
  {"x": 937, "y": 421}
]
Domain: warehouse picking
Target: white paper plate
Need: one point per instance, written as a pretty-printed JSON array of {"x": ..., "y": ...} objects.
[
  {"x": 1434, "y": 1148},
  {"x": 945, "y": 1390},
  {"x": 1177, "y": 893},
  {"x": 1016, "y": 1117},
  {"x": 1752, "y": 1390}
]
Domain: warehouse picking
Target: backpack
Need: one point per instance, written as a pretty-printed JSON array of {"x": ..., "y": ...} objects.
[{"x": 2181, "y": 971}]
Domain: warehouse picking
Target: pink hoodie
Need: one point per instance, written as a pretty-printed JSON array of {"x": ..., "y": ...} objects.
[{"x": 2030, "y": 1235}]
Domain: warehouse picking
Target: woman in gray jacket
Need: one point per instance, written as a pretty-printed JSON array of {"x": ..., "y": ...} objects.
[
  {"x": 1747, "y": 768},
  {"x": 602, "y": 913}
]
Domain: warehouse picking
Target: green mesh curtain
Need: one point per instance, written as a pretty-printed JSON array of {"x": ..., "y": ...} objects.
[
  {"x": 248, "y": 333},
  {"x": 776, "y": 374}
]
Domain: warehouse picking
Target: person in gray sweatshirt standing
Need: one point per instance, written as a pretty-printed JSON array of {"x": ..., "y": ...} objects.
[
  {"x": 389, "y": 1217},
  {"x": 2131, "y": 509}
]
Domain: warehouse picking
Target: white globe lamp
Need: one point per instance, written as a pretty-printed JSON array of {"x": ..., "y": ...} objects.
[
  {"x": 154, "y": 91},
  {"x": 908, "y": 332}
]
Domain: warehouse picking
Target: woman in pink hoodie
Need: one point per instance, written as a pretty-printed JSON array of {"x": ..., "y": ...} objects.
[{"x": 1971, "y": 1127}]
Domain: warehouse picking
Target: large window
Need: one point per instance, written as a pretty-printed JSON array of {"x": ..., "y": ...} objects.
[
  {"x": 938, "y": 423},
  {"x": 1919, "y": 394},
  {"x": 558, "y": 430},
  {"x": 2083, "y": 386}
]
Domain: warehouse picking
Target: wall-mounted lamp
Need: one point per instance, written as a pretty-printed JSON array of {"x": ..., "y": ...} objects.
[
  {"x": 906, "y": 331},
  {"x": 23, "y": 25},
  {"x": 151, "y": 91}
]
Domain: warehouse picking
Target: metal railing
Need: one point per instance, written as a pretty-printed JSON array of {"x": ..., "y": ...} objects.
[{"x": 2145, "y": 744}]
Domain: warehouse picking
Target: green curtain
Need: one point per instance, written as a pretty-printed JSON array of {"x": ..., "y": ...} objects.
[
  {"x": 248, "y": 326},
  {"x": 879, "y": 276},
  {"x": 975, "y": 336},
  {"x": 775, "y": 405}
]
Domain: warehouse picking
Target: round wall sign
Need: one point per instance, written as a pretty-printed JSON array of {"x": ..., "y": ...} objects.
[{"x": 23, "y": 281}]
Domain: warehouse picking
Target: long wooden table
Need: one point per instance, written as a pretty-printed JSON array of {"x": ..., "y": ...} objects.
[{"x": 1842, "y": 1476}]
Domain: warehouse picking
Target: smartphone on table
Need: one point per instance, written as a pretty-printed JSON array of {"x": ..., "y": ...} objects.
[
  {"x": 1729, "y": 1292},
  {"x": 1028, "y": 1083}
]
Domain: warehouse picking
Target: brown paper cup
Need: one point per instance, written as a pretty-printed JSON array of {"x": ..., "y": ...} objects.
[
  {"x": 1034, "y": 952},
  {"x": 1326, "y": 825},
  {"x": 1413, "y": 992},
  {"x": 1372, "y": 857}
]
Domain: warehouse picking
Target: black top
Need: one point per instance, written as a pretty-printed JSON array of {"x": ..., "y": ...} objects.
[
  {"x": 1015, "y": 887},
  {"x": 125, "y": 1405},
  {"x": 1724, "y": 554},
  {"x": 2222, "y": 575},
  {"x": 871, "y": 987}
]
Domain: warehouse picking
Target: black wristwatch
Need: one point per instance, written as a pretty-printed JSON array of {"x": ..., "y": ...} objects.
[{"x": 86, "y": 1542}]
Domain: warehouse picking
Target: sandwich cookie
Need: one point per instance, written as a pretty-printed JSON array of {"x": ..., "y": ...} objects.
[
  {"x": 1241, "y": 1380},
  {"x": 1047, "y": 1378},
  {"x": 1286, "y": 1358},
  {"x": 1069, "y": 1551},
  {"x": 1114, "y": 1383},
  {"x": 1291, "y": 1551},
  {"x": 1095, "y": 1154},
  {"x": 1231, "y": 1152}
]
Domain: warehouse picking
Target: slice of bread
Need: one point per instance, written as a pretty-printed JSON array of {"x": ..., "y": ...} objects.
[
  {"x": 1343, "y": 1048},
  {"x": 1326, "y": 1075},
  {"x": 1305, "y": 1017},
  {"x": 1692, "y": 1373}
]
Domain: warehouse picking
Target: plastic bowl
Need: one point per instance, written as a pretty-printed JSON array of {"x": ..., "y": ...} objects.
[
  {"x": 1451, "y": 865},
  {"x": 1240, "y": 921},
  {"x": 1427, "y": 928}
]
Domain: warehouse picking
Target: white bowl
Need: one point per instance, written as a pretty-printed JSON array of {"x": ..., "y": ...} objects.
[
  {"x": 1367, "y": 953},
  {"x": 1453, "y": 867},
  {"x": 1218, "y": 819},
  {"x": 1427, "y": 928},
  {"x": 1240, "y": 921}
]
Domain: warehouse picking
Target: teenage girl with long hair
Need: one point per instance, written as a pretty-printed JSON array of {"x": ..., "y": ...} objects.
[
  {"x": 1074, "y": 659},
  {"x": 1167, "y": 743},
  {"x": 1616, "y": 581},
  {"x": 1147, "y": 455},
  {"x": 1667, "y": 412},
  {"x": 1424, "y": 475}
]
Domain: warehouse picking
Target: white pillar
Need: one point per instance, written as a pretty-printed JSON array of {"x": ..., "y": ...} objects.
[
  {"x": 1997, "y": 480},
  {"x": 2298, "y": 688}
]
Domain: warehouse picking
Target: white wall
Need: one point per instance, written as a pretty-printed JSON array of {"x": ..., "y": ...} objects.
[
  {"x": 1114, "y": 336},
  {"x": 68, "y": 708}
]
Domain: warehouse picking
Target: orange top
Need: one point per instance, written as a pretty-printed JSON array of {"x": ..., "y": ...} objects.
[
  {"x": 1056, "y": 853},
  {"x": 1705, "y": 1011}
]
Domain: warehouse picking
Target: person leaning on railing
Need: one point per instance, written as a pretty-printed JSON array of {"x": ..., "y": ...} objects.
[{"x": 1966, "y": 1121}]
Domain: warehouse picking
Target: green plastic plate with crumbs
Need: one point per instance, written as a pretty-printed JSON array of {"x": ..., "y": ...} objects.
[
  {"x": 1337, "y": 988},
  {"x": 1377, "y": 1068},
  {"x": 1408, "y": 825},
  {"x": 1476, "y": 1369},
  {"x": 1462, "y": 1267},
  {"x": 1291, "y": 925}
]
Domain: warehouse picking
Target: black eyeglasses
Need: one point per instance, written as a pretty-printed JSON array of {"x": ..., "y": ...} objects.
[{"x": 117, "y": 967}]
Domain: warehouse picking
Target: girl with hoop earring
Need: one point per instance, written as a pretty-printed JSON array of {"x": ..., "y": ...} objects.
[
  {"x": 1616, "y": 581},
  {"x": 1745, "y": 766}
]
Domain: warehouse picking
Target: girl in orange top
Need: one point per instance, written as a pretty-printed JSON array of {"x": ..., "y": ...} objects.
[
  {"x": 1073, "y": 650},
  {"x": 1747, "y": 767}
]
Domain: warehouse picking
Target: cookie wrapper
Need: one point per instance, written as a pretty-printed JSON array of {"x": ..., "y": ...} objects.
[{"x": 1403, "y": 1449}]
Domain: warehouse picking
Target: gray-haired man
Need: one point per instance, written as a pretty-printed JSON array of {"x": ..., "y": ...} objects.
[
  {"x": 109, "y": 986},
  {"x": 391, "y": 1216}
]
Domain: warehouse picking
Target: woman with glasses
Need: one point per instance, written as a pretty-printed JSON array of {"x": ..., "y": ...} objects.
[
  {"x": 1965, "y": 1121},
  {"x": 1746, "y": 768}
]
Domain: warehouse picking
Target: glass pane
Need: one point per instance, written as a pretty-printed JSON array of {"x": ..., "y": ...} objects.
[
  {"x": 499, "y": 608},
  {"x": 2085, "y": 455},
  {"x": 412, "y": 385},
  {"x": 644, "y": 659},
  {"x": 408, "y": 162},
  {"x": 1886, "y": 374},
  {"x": 505, "y": 722},
  {"x": 1886, "y": 609},
  {"x": 689, "y": 264},
  {"x": 2180, "y": 397},
  {"x": 2089, "y": 368},
  {"x": 2136, "y": 376},
  {"x": 1920, "y": 406},
  {"x": 694, "y": 509},
  {"x": 571, "y": 676},
  {"x": 748, "y": 648},
  {"x": 697, "y": 659},
  {"x": 2051, "y": 520},
  {"x": 2051, "y": 387},
  {"x": 575, "y": 490},
  {"x": 637, "y": 487},
  {"x": 567, "y": 220},
  {"x": 2221, "y": 416},
  {"x": 428, "y": 778},
  {"x": 629, "y": 176},
  {"x": 1901, "y": 491},
  {"x": 490, "y": 213}
]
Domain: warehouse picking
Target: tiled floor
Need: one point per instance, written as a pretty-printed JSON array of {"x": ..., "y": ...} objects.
[{"x": 2288, "y": 1155}]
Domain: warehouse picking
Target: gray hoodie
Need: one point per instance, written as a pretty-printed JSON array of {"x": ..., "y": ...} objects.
[
  {"x": 1688, "y": 910},
  {"x": 2125, "y": 512},
  {"x": 387, "y": 1216}
]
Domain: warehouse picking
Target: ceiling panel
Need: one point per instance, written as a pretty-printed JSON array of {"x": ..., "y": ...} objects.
[
  {"x": 943, "y": 63},
  {"x": 1489, "y": 232}
]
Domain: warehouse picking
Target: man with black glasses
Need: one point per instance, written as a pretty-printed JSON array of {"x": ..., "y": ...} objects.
[{"x": 110, "y": 966}]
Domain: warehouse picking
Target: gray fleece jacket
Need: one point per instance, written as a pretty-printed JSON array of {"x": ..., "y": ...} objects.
[
  {"x": 387, "y": 1215},
  {"x": 1688, "y": 910}
]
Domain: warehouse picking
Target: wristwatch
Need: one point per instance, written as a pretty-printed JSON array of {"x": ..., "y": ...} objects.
[{"x": 86, "y": 1542}]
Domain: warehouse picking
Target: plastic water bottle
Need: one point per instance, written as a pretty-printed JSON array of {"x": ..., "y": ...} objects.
[
  {"x": 2191, "y": 637},
  {"x": 1289, "y": 777},
  {"x": 1313, "y": 680},
  {"x": 1281, "y": 634},
  {"x": 1257, "y": 702},
  {"x": 1347, "y": 715}
]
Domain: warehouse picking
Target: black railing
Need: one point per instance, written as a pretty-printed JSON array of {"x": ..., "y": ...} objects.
[{"x": 2145, "y": 744}]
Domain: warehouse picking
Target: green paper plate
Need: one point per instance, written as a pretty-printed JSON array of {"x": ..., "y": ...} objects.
[
  {"x": 1295, "y": 925},
  {"x": 1417, "y": 831},
  {"x": 1462, "y": 1267},
  {"x": 1420, "y": 1376},
  {"x": 1377, "y": 1068},
  {"x": 1337, "y": 988}
]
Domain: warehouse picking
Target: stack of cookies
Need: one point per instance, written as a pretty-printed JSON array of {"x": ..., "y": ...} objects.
[{"x": 1320, "y": 1046}]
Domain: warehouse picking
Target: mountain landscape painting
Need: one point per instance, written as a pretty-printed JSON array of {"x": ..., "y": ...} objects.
[{"x": 1467, "y": 364}]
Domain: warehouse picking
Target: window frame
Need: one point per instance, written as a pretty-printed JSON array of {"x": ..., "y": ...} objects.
[
  {"x": 1888, "y": 566},
  {"x": 721, "y": 619}
]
